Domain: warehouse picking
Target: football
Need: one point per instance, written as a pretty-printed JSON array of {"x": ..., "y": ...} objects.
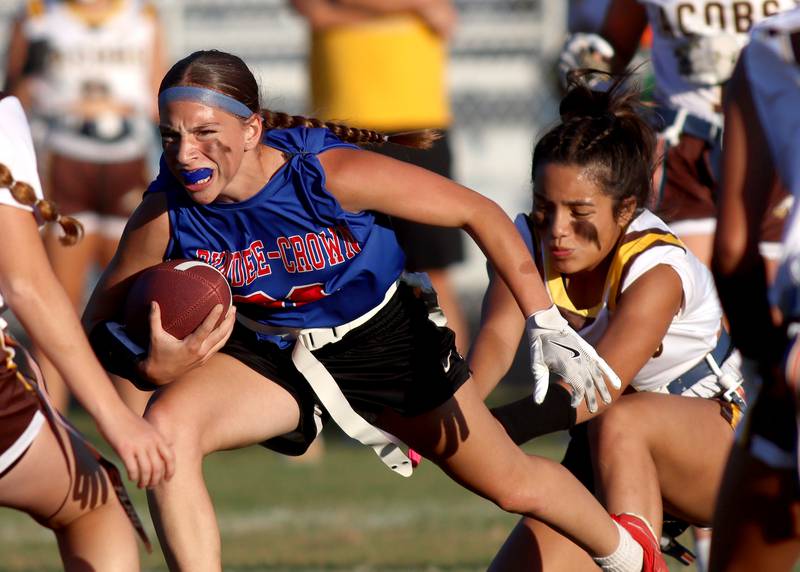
[{"x": 186, "y": 291}]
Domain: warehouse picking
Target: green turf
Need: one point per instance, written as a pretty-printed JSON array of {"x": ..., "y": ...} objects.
[{"x": 347, "y": 512}]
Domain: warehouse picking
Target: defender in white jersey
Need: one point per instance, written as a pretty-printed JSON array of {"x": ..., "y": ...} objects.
[
  {"x": 88, "y": 73},
  {"x": 757, "y": 517},
  {"x": 695, "y": 46},
  {"x": 629, "y": 286},
  {"x": 47, "y": 469}
]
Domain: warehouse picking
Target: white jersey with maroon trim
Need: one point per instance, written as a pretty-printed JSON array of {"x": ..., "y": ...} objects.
[
  {"x": 694, "y": 330},
  {"x": 16, "y": 153},
  {"x": 695, "y": 45},
  {"x": 647, "y": 243},
  {"x": 772, "y": 63},
  {"x": 111, "y": 60}
]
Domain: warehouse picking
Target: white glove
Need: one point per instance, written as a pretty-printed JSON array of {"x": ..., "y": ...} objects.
[
  {"x": 581, "y": 51},
  {"x": 557, "y": 348}
]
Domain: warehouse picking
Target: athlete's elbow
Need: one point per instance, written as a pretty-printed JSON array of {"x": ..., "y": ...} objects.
[{"x": 483, "y": 215}]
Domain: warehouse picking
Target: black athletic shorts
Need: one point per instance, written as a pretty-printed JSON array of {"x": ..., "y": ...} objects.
[
  {"x": 399, "y": 360},
  {"x": 427, "y": 247}
]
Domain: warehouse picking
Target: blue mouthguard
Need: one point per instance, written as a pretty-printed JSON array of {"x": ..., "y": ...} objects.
[
  {"x": 192, "y": 177},
  {"x": 206, "y": 97}
]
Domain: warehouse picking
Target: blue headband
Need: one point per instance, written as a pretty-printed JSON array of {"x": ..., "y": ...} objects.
[{"x": 206, "y": 97}]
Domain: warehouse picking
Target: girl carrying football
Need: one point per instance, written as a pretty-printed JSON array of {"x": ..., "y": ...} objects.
[{"x": 325, "y": 327}]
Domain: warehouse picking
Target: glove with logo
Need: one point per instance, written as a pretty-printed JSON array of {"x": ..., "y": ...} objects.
[{"x": 557, "y": 348}]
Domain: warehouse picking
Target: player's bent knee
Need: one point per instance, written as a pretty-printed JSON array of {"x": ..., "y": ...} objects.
[
  {"x": 517, "y": 501},
  {"x": 614, "y": 424},
  {"x": 513, "y": 494},
  {"x": 176, "y": 428}
]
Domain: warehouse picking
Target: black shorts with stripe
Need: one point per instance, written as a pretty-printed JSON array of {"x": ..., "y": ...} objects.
[{"x": 399, "y": 360}]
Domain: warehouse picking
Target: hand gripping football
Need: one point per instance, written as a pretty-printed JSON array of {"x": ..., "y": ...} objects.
[{"x": 186, "y": 291}]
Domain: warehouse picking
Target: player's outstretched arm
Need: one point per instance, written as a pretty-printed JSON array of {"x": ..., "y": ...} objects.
[
  {"x": 362, "y": 180},
  {"x": 34, "y": 294}
]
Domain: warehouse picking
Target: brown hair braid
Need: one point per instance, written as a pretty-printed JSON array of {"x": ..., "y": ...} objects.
[
  {"x": 228, "y": 74},
  {"x": 421, "y": 139},
  {"x": 45, "y": 211}
]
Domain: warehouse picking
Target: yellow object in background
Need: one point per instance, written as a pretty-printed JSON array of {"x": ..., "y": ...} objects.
[{"x": 385, "y": 74}]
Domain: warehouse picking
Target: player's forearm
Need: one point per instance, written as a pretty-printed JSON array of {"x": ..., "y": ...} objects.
[
  {"x": 501, "y": 328},
  {"x": 499, "y": 240},
  {"x": 490, "y": 358}
]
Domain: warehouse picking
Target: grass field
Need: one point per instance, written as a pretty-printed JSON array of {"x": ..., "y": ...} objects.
[{"x": 347, "y": 512}]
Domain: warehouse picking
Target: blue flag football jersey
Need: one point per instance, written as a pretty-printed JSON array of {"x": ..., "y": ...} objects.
[{"x": 293, "y": 257}]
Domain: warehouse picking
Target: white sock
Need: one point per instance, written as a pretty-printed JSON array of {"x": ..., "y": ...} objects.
[
  {"x": 628, "y": 557},
  {"x": 702, "y": 548}
]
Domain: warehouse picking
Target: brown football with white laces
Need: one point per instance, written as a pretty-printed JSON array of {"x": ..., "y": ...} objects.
[{"x": 186, "y": 291}]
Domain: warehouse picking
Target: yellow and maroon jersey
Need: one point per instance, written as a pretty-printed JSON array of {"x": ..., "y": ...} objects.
[{"x": 647, "y": 243}]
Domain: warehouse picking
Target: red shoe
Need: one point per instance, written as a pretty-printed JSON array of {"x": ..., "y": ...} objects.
[{"x": 653, "y": 560}]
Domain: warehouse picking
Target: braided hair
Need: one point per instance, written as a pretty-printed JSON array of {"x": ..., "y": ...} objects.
[
  {"x": 45, "y": 211},
  {"x": 604, "y": 130},
  {"x": 228, "y": 74}
]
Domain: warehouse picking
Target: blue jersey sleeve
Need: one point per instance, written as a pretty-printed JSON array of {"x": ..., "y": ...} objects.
[{"x": 303, "y": 145}]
